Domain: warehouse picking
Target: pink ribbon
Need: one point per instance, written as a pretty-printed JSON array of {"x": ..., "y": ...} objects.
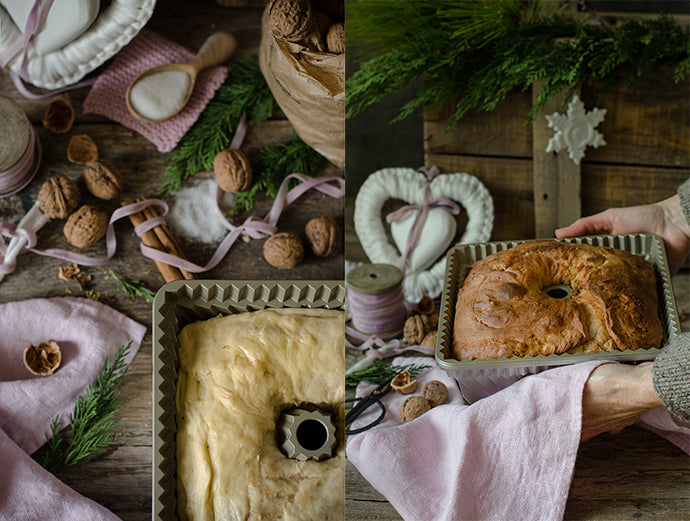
[
  {"x": 20, "y": 174},
  {"x": 34, "y": 23},
  {"x": 255, "y": 228},
  {"x": 421, "y": 215}
]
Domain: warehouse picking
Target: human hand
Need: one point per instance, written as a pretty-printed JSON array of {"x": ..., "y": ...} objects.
[
  {"x": 614, "y": 396},
  {"x": 665, "y": 218}
]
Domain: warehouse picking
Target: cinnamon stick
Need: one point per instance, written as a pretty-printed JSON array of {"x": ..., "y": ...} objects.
[
  {"x": 166, "y": 238},
  {"x": 150, "y": 239}
]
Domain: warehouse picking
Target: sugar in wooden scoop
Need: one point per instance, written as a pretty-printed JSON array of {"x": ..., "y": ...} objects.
[{"x": 160, "y": 95}]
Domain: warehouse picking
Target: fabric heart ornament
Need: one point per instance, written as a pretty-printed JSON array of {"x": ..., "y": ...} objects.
[
  {"x": 409, "y": 185},
  {"x": 437, "y": 233},
  {"x": 66, "y": 20}
]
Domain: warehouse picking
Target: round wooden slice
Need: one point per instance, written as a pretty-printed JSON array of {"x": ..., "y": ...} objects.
[
  {"x": 374, "y": 279},
  {"x": 15, "y": 132}
]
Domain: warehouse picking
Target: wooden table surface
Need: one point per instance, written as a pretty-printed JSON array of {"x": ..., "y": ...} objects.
[
  {"x": 120, "y": 479},
  {"x": 635, "y": 474}
]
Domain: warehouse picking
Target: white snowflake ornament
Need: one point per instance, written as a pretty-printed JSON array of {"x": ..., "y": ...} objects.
[{"x": 576, "y": 130}]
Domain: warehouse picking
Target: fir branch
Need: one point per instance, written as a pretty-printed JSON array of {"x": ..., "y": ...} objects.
[
  {"x": 91, "y": 425},
  {"x": 244, "y": 94},
  {"x": 135, "y": 288},
  {"x": 472, "y": 54},
  {"x": 380, "y": 372},
  {"x": 274, "y": 163}
]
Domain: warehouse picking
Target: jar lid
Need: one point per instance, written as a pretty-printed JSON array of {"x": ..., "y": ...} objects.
[
  {"x": 15, "y": 133},
  {"x": 374, "y": 279}
]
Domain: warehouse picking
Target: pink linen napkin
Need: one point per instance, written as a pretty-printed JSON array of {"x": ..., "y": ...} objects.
[
  {"x": 147, "y": 50},
  {"x": 87, "y": 332},
  {"x": 508, "y": 456},
  {"x": 28, "y": 492}
]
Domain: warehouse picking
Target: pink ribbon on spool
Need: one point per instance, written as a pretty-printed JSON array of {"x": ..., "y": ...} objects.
[
  {"x": 421, "y": 215},
  {"x": 23, "y": 171}
]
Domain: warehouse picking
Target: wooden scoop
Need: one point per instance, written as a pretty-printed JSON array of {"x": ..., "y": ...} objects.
[{"x": 216, "y": 49}]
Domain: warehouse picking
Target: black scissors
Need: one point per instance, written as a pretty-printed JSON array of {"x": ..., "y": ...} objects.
[{"x": 364, "y": 403}]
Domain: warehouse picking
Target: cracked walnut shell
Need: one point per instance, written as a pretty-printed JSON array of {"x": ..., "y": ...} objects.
[
  {"x": 59, "y": 116},
  {"x": 81, "y": 149},
  {"x": 403, "y": 384},
  {"x": 44, "y": 359},
  {"x": 436, "y": 392},
  {"x": 102, "y": 179},
  {"x": 233, "y": 171},
  {"x": 324, "y": 236},
  {"x": 413, "y": 408},
  {"x": 86, "y": 226},
  {"x": 283, "y": 251},
  {"x": 290, "y": 20},
  {"x": 58, "y": 197}
]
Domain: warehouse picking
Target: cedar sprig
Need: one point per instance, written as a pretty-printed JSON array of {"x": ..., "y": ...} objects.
[
  {"x": 472, "y": 54},
  {"x": 244, "y": 94},
  {"x": 274, "y": 163},
  {"x": 380, "y": 372},
  {"x": 135, "y": 288},
  {"x": 91, "y": 422}
]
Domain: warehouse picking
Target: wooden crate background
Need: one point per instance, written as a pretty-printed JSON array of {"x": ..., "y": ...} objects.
[{"x": 647, "y": 155}]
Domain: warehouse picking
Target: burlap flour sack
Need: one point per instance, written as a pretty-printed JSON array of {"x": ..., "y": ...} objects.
[{"x": 309, "y": 86}]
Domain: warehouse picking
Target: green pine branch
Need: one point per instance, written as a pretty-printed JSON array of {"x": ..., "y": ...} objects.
[
  {"x": 244, "y": 94},
  {"x": 135, "y": 288},
  {"x": 274, "y": 163},
  {"x": 91, "y": 422},
  {"x": 380, "y": 372},
  {"x": 472, "y": 54}
]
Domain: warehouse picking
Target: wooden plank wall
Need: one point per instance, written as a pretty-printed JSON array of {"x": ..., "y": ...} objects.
[{"x": 646, "y": 128}]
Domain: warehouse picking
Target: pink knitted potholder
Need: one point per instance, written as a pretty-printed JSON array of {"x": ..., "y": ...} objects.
[{"x": 147, "y": 50}]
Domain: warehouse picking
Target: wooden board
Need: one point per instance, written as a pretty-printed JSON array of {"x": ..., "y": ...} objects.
[{"x": 510, "y": 183}]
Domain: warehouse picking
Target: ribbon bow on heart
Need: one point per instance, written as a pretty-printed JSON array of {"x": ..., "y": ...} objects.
[{"x": 422, "y": 212}]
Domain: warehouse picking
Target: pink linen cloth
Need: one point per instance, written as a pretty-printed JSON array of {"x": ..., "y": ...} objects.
[
  {"x": 87, "y": 332},
  {"x": 147, "y": 50},
  {"x": 508, "y": 456}
]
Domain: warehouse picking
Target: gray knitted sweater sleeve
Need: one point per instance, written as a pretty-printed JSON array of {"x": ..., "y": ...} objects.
[{"x": 671, "y": 372}]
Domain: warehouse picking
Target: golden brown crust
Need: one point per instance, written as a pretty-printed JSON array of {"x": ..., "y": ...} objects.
[{"x": 501, "y": 310}]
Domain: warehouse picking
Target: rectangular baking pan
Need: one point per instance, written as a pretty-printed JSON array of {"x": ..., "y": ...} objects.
[
  {"x": 480, "y": 378},
  {"x": 182, "y": 302}
]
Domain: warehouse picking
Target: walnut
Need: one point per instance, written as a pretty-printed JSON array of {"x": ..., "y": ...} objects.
[
  {"x": 402, "y": 383},
  {"x": 283, "y": 251},
  {"x": 86, "y": 226},
  {"x": 413, "y": 408},
  {"x": 415, "y": 328},
  {"x": 44, "y": 359},
  {"x": 82, "y": 149},
  {"x": 433, "y": 321},
  {"x": 324, "y": 236},
  {"x": 429, "y": 339},
  {"x": 233, "y": 171},
  {"x": 58, "y": 197},
  {"x": 59, "y": 116},
  {"x": 436, "y": 392},
  {"x": 290, "y": 20},
  {"x": 335, "y": 39},
  {"x": 103, "y": 179},
  {"x": 69, "y": 271}
]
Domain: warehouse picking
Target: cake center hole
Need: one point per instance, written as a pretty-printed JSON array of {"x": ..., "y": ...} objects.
[
  {"x": 559, "y": 291},
  {"x": 312, "y": 434}
]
